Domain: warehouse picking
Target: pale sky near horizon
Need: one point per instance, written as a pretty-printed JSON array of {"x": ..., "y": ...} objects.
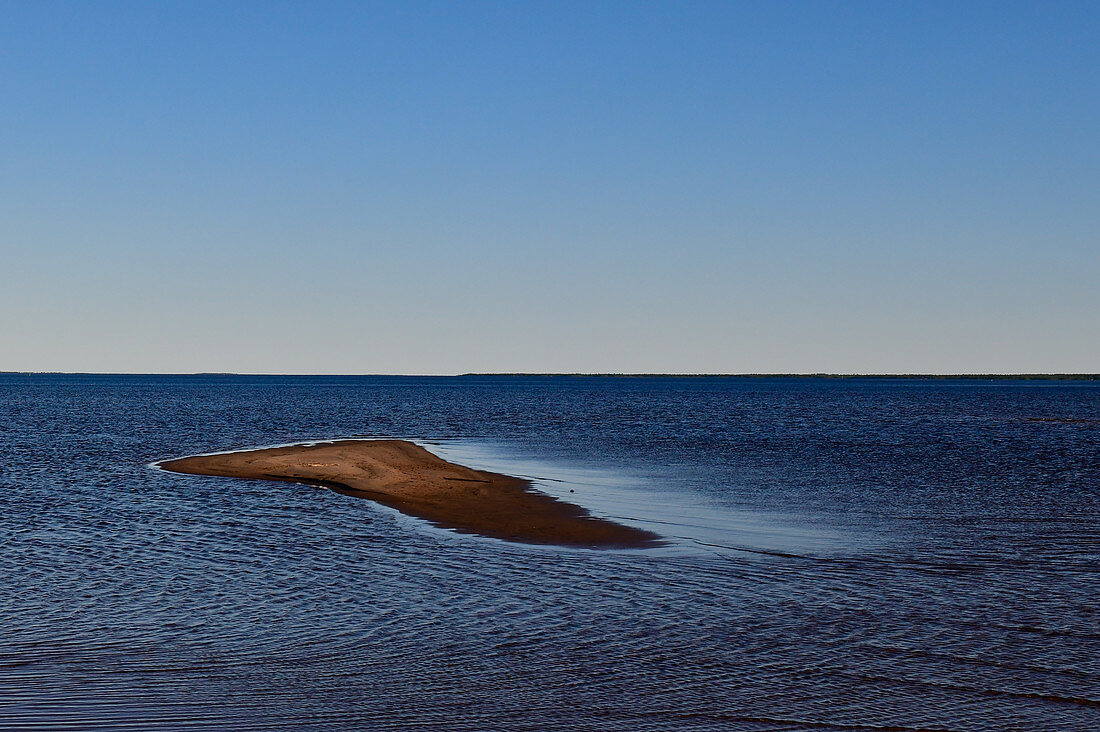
[{"x": 550, "y": 187}]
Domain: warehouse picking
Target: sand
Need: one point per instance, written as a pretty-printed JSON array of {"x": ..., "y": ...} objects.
[{"x": 412, "y": 480}]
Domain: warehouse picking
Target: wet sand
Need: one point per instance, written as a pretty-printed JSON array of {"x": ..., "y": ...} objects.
[{"x": 412, "y": 480}]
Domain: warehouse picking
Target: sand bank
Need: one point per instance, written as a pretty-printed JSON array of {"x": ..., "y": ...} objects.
[{"x": 412, "y": 480}]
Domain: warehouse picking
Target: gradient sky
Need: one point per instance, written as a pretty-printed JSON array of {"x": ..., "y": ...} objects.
[{"x": 600, "y": 187}]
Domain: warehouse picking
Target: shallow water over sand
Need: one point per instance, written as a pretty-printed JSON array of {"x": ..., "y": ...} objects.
[{"x": 844, "y": 555}]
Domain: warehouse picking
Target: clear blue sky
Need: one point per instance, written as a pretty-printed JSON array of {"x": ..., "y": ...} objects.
[{"x": 613, "y": 187}]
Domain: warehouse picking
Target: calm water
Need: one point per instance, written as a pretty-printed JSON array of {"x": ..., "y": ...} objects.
[{"x": 844, "y": 555}]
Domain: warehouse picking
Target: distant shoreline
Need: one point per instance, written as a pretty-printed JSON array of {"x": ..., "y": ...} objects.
[{"x": 910, "y": 377}]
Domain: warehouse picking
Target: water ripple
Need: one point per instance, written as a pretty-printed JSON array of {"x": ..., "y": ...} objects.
[{"x": 853, "y": 559}]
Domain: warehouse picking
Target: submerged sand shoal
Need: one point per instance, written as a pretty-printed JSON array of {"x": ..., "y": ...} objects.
[{"x": 416, "y": 482}]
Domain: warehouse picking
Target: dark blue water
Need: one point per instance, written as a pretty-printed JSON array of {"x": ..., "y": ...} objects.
[{"x": 844, "y": 555}]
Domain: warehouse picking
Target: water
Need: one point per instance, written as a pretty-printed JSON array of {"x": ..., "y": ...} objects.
[{"x": 843, "y": 555}]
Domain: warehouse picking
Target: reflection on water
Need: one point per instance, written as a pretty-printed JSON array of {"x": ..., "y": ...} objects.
[
  {"x": 848, "y": 555},
  {"x": 690, "y": 521}
]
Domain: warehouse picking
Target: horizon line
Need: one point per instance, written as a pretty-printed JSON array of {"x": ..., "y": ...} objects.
[{"x": 1050, "y": 376}]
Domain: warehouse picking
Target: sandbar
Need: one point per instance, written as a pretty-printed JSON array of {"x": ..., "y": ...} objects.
[{"x": 409, "y": 478}]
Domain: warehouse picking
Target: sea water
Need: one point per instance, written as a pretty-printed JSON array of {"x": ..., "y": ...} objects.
[{"x": 840, "y": 555}]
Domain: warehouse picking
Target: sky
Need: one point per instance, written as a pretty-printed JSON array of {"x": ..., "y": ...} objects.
[{"x": 439, "y": 188}]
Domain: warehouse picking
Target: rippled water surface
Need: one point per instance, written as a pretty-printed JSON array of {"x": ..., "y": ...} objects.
[{"x": 843, "y": 555}]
